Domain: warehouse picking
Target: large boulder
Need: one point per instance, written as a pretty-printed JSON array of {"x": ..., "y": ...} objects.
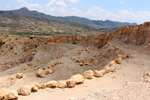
[
  {"x": 89, "y": 74},
  {"x": 41, "y": 73},
  {"x": 98, "y": 73},
  {"x": 61, "y": 84},
  {"x": 24, "y": 90},
  {"x": 2, "y": 94},
  {"x": 12, "y": 95},
  {"x": 51, "y": 84},
  {"x": 78, "y": 78},
  {"x": 71, "y": 83}
]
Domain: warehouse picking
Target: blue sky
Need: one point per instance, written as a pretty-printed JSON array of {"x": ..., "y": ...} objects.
[{"x": 117, "y": 10}]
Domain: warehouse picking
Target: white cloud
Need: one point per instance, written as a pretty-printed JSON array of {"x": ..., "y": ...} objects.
[
  {"x": 58, "y": 7},
  {"x": 29, "y": 5},
  {"x": 22, "y": 1},
  {"x": 71, "y": 1},
  {"x": 62, "y": 8},
  {"x": 122, "y": 2},
  {"x": 97, "y": 13}
]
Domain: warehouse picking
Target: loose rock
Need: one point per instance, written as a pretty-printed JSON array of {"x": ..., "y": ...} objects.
[
  {"x": 50, "y": 71},
  {"x": 41, "y": 73},
  {"x": 78, "y": 78},
  {"x": 24, "y": 90},
  {"x": 98, "y": 73},
  {"x": 19, "y": 75},
  {"x": 38, "y": 85},
  {"x": 89, "y": 74},
  {"x": 43, "y": 86},
  {"x": 61, "y": 84},
  {"x": 34, "y": 89},
  {"x": 107, "y": 69},
  {"x": 118, "y": 61},
  {"x": 12, "y": 95},
  {"x": 71, "y": 83},
  {"x": 51, "y": 84},
  {"x": 112, "y": 63}
]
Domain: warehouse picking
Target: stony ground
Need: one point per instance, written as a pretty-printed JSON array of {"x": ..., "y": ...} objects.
[{"x": 131, "y": 69}]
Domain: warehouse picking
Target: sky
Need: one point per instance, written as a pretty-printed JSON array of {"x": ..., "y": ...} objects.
[{"x": 116, "y": 10}]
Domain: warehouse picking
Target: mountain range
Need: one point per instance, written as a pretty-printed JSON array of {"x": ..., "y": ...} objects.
[
  {"x": 24, "y": 20},
  {"x": 96, "y": 23}
]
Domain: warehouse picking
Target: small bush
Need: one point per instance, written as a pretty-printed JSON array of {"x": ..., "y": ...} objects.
[
  {"x": 74, "y": 43},
  {"x": 1, "y": 43}
]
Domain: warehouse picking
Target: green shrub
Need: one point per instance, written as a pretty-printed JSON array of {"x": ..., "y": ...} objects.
[{"x": 1, "y": 43}]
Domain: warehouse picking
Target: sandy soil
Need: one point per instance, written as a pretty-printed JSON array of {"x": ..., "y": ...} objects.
[{"x": 131, "y": 69}]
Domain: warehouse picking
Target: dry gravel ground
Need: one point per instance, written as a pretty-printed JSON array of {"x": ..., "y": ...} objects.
[
  {"x": 130, "y": 91},
  {"x": 130, "y": 70}
]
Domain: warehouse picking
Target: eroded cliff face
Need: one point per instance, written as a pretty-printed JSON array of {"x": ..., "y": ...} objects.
[{"x": 137, "y": 35}]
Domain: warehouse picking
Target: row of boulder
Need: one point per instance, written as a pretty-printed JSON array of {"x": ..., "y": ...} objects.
[
  {"x": 42, "y": 72},
  {"x": 70, "y": 83}
]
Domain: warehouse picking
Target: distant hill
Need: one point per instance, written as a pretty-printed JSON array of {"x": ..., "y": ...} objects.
[
  {"x": 95, "y": 23},
  {"x": 26, "y": 22}
]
